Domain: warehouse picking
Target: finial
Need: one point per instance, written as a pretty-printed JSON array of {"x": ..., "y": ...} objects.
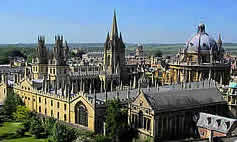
[{"x": 201, "y": 28}]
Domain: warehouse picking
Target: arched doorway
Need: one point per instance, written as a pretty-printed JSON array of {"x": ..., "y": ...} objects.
[{"x": 81, "y": 114}]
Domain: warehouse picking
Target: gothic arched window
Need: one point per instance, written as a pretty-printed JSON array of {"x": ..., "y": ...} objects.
[{"x": 81, "y": 114}]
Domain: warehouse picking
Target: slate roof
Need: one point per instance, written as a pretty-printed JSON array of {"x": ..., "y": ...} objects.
[
  {"x": 183, "y": 99},
  {"x": 216, "y": 123},
  {"x": 172, "y": 97}
]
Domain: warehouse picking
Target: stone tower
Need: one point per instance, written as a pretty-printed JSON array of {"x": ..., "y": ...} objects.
[
  {"x": 114, "y": 50},
  {"x": 59, "y": 53},
  {"x": 41, "y": 51},
  {"x": 58, "y": 69}
]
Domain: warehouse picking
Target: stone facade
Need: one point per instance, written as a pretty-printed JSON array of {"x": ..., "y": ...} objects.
[
  {"x": 52, "y": 88},
  {"x": 202, "y": 58},
  {"x": 167, "y": 113}
]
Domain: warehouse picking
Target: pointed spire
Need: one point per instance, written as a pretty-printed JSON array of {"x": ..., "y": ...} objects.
[
  {"x": 107, "y": 38},
  {"x": 114, "y": 31},
  {"x": 121, "y": 36},
  {"x": 219, "y": 42},
  {"x": 219, "y": 38}
]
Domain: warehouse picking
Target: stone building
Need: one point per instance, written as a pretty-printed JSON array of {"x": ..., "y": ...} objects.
[
  {"x": 211, "y": 126},
  {"x": 167, "y": 112},
  {"x": 230, "y": 94},
  {"x": 51, "y": 87},
  {"x": 202, "y": 58}
]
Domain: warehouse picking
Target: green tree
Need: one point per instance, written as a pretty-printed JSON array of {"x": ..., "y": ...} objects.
[
  {"x": 36, "y": 127},
  {"x": 116, "y": 120},
  {"x": 27, "y": 122},
  {"x": 48, "y": 125},
  {"x": 20, "y": 132},
  {"x": 158, "y": 53},
  {"x": 10, "y": 104},
  {"x": 22, "y": 113},
  {"x": 63, "y": 133},
  {"x": 100, "y": 138}
]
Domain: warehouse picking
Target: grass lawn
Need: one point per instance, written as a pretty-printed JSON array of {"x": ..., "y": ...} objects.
[{"x": 8, "y": 130}]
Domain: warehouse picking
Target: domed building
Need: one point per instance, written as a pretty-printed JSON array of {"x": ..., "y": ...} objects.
[{"x": 201, "y": 58}]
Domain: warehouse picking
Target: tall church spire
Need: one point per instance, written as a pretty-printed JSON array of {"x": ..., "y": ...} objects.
[
  {"x": 114, "y": 32},
  {"x": 219, "y": 42},
  {"x": 219, "y": 38}
]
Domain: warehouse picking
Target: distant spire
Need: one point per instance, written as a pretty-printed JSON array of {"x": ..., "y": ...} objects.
[
  {"x": 219, "y": 40},
  {"x": 114, "y": 31}
]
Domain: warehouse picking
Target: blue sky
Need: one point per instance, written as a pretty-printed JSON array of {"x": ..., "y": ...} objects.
[{"x": 146, "y": 21}]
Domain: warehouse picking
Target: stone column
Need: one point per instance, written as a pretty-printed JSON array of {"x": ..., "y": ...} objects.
[
  {"x": 178, "y": 78},
  {"x": 189, "y": 76},
  {"x": 209, "y": 74},
  {"x": 101, "y": 86},
  {"x": 134, "y": 82}
]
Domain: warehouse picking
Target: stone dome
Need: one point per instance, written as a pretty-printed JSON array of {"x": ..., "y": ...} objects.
[{"x": 201, "y": 41}]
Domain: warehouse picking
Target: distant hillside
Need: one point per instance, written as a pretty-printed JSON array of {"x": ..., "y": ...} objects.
[
  {"x": 149, "y": 49},
  {"x": 88, "y": 45}
]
